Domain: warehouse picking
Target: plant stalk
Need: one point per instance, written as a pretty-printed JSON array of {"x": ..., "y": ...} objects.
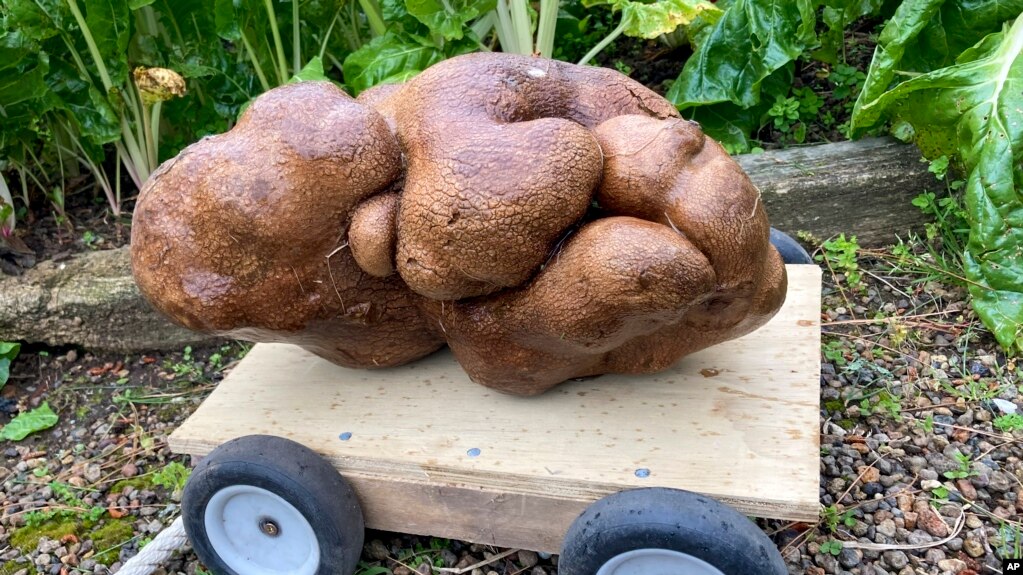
[
  {"x": 547, "y": 27},
  {"x": 255, "y": 62},
  {"x": 101, "y": 66},
  {"x": 522, "y": 26},
  {"x": 296, "y": 40},
  {"x": 282, "y": 67},
  {"x": 376, "y": 20},
  {"x": 603, "y": 44}
]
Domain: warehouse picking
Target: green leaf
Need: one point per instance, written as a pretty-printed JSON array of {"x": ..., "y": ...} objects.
[
  {"x": 88, "y": 108},
  {"x": 8, "y": 351},
  {"x": 753, "y": 39},
  {"x": 24, "y": 82},
  {"x": 909, "y": 19},
  {"x": 663, "y": 17},
  {"x": 387, "y": 59},
  {"x": 448, "y": 18},
  {"x": 136, "y": 4},
  {"x": 30, "y": 422},
  {"x": 36, "y": 19},
  {"x": 971, "y": 109},
  {"x": 226, "y": 20},
  {"x": 727, "y": 123},
  {"x": 958, "y": 25},
  {"x": 311, "y": 72},
  {"x": 109, "y": 25}
]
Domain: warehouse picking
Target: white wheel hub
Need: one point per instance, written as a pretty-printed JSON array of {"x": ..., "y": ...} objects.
[
  {"x": 657, "y": 562},
  {"x": 257, "y": 532}
]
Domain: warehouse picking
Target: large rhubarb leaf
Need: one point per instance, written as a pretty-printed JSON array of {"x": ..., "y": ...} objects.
[
  {"x": 753, "y": 39},
  {"x": 972, "y": 110}
]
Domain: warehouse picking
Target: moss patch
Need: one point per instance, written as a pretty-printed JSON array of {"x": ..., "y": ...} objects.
[
  {"x": 137, "y": 483},
  {"x": 114, "y": 533},
  {"x": 12, "y": 567},
  {"x": 834, "y": 405},
  {"x": 26, "y": 539}
]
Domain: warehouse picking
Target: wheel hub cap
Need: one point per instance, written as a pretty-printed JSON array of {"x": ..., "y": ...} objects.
[
  {"x": 257, "y": 532},
  {"x": 657, "y": 562}
]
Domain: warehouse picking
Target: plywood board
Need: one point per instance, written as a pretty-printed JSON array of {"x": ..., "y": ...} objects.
[{"x": 430, "y": 452}]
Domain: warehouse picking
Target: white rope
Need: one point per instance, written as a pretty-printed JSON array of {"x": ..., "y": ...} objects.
[{"x": 157, "y": 551}]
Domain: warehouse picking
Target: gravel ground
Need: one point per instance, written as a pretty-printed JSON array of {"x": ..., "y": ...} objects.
[{"x": 920, "y": 468}]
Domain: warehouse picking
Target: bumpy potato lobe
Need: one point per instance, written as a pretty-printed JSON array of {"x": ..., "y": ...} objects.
[{"x": 547, "y": 221}]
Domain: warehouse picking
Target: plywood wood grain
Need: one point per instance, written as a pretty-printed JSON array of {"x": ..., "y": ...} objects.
[{"x": 431, "y": 452}]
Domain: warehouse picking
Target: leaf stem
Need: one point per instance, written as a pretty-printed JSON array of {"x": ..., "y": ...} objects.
[
  {"x": 282, "y": 67},
  {"x": 296, "y": 39},
  {"x": 376, "y": 21},
  {"x": 255, "y": 62},
  {"x": 546, "y": 28},
  {"x": 522, "y": 26},
  {"x": 603, "y": 43},
  {"x": 101, "y": 66}
]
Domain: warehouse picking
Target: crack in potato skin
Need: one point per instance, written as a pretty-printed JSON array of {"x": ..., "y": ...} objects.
[{"x": 545, "y": 220}]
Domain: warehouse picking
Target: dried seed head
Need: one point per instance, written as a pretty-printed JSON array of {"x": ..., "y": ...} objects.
[{"x": 158, "y": 84}]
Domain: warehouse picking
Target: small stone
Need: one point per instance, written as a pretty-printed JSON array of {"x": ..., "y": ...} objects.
[
  {"x": 1000, "y": 482},
  {"x": 129, "y": 470},
  {"x": 870, "y": 474},
  {"x": 538, "y": 571},
  {"x": 850, "y": 558},
  {"x": 930, "y": 484},
  {"x": 952, "y": 565},
  {"x": 967, "y": 489},
  {"x": 910, "y": 518},
  {"x": 448, "y": 557},
  {"x": 527, "y": 558},
  {"x": 43, "y": 559},
  {"x": 424, "y": 568},
  {"x": 973, "y": 548},
  {"x": 886, "y": 528},
  {"x": 895, "y": 559},
  {"x": 828, "y": 561},
  {"x": 934, "y": 555},
  {"x": 93, "y": 472},
  {"x": 918, "y": 538},
  {"x": 873, "y": 488},
  {"x": 377, "y": 550},
  {"x": 931, "y": 522}
]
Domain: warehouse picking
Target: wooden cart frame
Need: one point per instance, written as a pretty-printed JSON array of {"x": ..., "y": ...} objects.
[{"x": 429, "y": 452}]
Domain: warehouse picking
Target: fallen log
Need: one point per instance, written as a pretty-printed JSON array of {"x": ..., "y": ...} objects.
[
  {"x": 860, "y": 188},
  {"x": 90, "y": 301}
]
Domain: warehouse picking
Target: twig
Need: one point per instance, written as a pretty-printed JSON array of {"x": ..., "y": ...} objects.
[{"x": 887, "y": 547}]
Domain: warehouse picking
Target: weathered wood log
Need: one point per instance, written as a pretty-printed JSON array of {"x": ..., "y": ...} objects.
[
  {"x": 90, "y": 301},
  {"x": 861, "y": 188}
]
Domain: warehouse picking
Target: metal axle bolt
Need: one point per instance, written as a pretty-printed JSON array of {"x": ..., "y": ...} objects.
[{"x": 270, "y": 528}]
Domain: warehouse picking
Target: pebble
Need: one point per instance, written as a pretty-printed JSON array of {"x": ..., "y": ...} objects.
[
  {"x": 973, "y": 548},
  {"x": 895, "y": 559},
  {"x": 931, "y": 522},
  {"x": 952, "y": 565}
]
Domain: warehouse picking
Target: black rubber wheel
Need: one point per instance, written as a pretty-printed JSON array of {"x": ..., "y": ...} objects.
[
  {"x": 790, "y": 250},
  {"x": 268, "y": 505},
  {"x": 666, "y": 531}
]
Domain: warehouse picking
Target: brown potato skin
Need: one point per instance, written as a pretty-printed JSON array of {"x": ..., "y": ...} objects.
[
  {"x": 238, "y": 234},
  {"x": 547, "y": 221}
]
